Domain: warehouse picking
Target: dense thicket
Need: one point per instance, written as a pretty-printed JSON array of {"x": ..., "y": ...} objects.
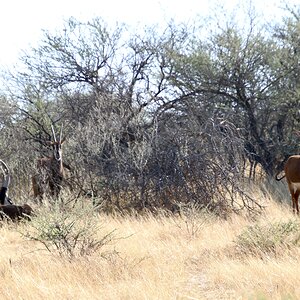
[{"x": 156, "y": 118}]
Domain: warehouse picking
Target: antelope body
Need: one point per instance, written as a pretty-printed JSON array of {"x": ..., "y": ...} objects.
[
  {"x": 51, "y": 171},
  {"x": 7, "y": 208},
  {"x": 15, "y": 212},
  {"x": 292, "y": 174}
]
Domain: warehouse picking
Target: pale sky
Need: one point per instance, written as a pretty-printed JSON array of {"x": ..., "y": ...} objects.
[{"x": 22, "y": 21}]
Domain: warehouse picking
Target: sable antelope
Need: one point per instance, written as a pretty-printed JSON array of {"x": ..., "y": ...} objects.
[
  {"x": 292, "y": 174},
  {"x": 15, "y": 212},
  {"x": 51, "y": 170},
  {"x": 4, "y": 200},
  {"x": 7, "y": 208}
]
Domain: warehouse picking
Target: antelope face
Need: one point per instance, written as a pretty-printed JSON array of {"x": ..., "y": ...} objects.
[
  {"x": 56, "y": 144},
  {"x": 57, "y": 151}
]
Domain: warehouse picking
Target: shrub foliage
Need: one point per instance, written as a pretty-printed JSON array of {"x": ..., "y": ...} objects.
[
  {"x": 264, "y": 239},
  {"x": 68, "y": 233}
]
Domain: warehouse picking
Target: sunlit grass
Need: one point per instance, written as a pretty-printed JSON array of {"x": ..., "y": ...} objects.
[{"x": 157, "y": 258}]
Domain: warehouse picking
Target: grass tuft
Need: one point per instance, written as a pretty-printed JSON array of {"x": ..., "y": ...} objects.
[{"x": 269, "y": 238}]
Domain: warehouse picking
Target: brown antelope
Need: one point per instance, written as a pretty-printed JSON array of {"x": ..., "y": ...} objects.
[
  {"x": 292, "y": 174},
  {"x": 51, "y": 170}
]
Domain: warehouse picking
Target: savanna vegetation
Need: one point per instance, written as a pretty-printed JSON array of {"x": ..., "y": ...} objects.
[
  {"x": 157, "y": 117},
  {"x": 195, "y": 256},
  {"x": 173, "y": 138}
]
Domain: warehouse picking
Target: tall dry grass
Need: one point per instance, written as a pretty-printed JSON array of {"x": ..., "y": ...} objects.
[{"x": 156, "y": 258}]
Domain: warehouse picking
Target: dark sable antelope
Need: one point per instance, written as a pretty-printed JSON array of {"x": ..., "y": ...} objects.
[
  {"x": 292, "y": 174},
  {"x": 4, "y": 200},
  {"x": 7, "y": 208},
  {"x": 51, "y": 171},
  {"x": 15, "y": 212}
]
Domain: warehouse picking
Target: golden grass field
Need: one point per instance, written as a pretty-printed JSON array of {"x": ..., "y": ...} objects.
[{"x": 156, "y": 258}]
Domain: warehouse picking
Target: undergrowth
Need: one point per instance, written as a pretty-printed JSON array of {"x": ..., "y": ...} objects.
[
  {"x": 264, "y": 239},
  {"x": 68, "y": 232}
]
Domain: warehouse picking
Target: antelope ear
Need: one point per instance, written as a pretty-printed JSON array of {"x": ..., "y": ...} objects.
[
  {"x": 62, "y": 141},
  {"x": 50, "y": 143}
]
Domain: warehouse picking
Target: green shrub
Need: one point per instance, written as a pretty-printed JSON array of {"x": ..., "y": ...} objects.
[
  {"x": 269, "y": 238},
  {"x": 68, "y": 232}
]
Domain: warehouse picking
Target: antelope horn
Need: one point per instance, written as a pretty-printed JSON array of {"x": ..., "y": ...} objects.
[
  {"x": 60, "y": 134},
  {"x": 5, "y": 167},
  {"x": 53, "y": 133},
  {"x": 6, "y": 180}
]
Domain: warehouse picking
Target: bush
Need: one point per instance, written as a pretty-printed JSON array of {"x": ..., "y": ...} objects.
[
  {"x": 269, "y": 238},
  {"x": 192, "y": 220},
  {"x": 68, "y": 232}
]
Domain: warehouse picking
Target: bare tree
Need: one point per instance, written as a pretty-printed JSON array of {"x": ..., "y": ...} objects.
[{"x": 156, "y": 119}]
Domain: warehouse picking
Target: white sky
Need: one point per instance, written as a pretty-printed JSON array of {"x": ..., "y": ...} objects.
[{"x": 22, "y": 21}]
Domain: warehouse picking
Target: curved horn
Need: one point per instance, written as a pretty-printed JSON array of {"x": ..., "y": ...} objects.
[
  {"x": 6, "y": 179},
  {"x": 60, "y": 133},
  {"x": 5, "y": 167},
  {"x": 53, "y": 133}
]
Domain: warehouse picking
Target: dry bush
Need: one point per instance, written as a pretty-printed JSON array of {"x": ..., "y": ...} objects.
[
  {"x": 193, "y": 220},
  {"x": 163, "y": 166}
]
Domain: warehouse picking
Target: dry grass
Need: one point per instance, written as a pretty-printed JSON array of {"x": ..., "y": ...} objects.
[{"x": 159, "y": 258}]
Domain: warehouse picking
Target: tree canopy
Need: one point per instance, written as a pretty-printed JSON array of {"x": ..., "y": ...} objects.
[{"x": 159, "y": 117}]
